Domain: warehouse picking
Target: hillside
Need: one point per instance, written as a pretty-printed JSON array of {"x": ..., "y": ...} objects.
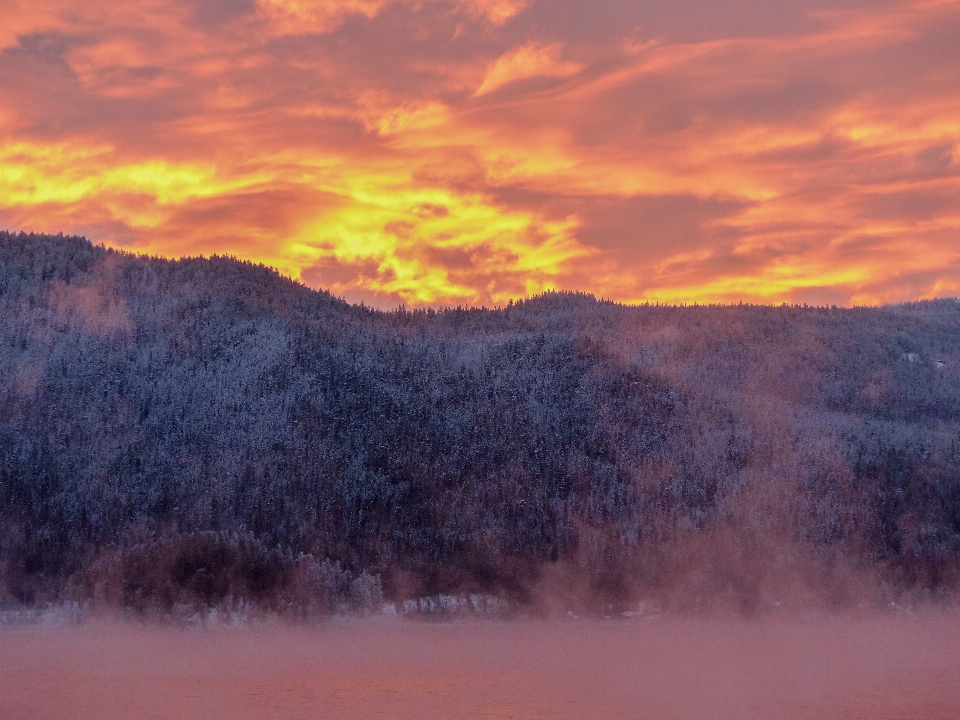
[{"x": 205, "y": 431}]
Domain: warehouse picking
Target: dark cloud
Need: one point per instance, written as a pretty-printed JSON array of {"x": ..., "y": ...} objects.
[
  {"x": 428, "y": 210},
  {"x": 211, "y": 14},
  {"x": 645, "y": 229},
  {"x": 910, "y": 205},
  {"x": 936, "y": 157},
  {"x": 334, "y": 272},
  {"x": 821, "y": 296}
]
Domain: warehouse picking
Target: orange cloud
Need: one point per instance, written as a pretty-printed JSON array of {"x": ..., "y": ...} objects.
[
  {"x": 527, "y": 61},
  {"x": 295, "y": 17},
  {"x": 496, "y": 11},
  {"x": 425, "y": 152}
]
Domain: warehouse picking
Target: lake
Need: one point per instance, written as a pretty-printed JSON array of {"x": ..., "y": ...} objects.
[{"x": 656, "y": 668}]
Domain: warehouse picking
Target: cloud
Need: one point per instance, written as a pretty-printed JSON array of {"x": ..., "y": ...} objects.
[
  {"x": 495, "y": 11},
  {"x": 438, "y": 247},
  {"x": 295, "y": 17},
  {"x": 530, "y": 60},
  {"x": 469, "y": 151}
]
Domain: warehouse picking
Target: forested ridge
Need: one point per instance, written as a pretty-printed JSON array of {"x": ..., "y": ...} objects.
[{"x": 208, "y": 432}]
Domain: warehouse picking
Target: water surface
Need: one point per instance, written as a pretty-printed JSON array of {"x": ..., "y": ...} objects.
[{"x": 876, "y": 668}]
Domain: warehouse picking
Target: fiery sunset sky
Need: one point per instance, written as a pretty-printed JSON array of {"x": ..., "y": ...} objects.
[{"x": 472, "y": 151}]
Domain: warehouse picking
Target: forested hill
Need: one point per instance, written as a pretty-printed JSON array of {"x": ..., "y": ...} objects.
[{"x": 206, "y": 431}]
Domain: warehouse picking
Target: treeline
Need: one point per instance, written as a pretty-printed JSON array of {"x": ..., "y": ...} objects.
[{"x": 205, "y": 431}]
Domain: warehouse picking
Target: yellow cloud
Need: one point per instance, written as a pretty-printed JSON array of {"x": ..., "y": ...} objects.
[
  {"x": 427, "y": 243},
  {"x": 433, "y": 245}
]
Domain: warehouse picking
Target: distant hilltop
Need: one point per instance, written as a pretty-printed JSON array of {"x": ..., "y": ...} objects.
[{"x": 203, "y": 433}]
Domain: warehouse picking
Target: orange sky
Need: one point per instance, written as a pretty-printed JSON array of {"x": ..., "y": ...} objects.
[{"x": 472, "y": 151}]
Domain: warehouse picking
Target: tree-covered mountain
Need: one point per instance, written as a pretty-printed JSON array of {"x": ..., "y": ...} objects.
[{"x": 205, "y": 430}]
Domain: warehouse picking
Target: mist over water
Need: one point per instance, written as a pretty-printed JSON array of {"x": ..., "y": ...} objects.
[{"x": 872, "y": 667}]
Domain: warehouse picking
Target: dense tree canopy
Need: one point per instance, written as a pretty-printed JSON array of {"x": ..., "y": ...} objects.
[{"x": 204, "y": 430}]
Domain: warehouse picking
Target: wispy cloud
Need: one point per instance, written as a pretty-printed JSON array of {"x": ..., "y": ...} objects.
[{"x": 530, "y": 60}]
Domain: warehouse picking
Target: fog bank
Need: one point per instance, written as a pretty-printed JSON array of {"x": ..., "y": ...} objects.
[{"x": 868, "y": 668}]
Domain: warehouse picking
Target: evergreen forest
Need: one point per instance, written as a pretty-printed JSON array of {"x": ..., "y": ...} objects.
[{"x": 208, "y": 433}]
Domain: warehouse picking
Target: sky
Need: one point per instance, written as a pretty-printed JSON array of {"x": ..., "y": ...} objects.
[{"x": 446, "y": 152}]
